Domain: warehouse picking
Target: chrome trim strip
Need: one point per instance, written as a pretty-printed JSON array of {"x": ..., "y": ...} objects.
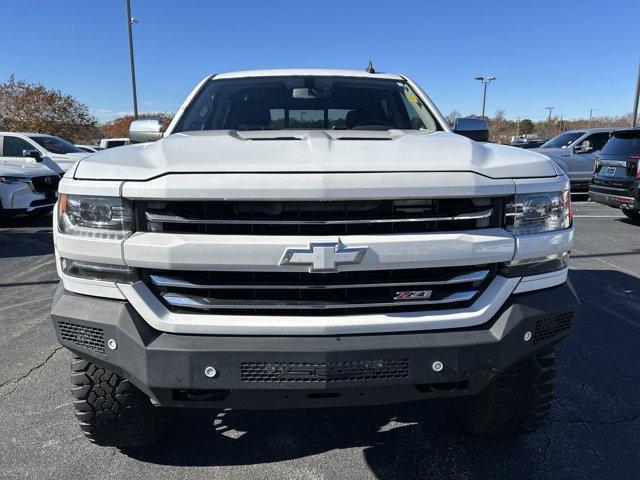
[
  {"x": 613, "y": 163},
  {"x": 156, "y": 314},
  {"x": 173, "y": 218},
  {"x": 204, "y": 303},
  {"x": 168, "y": 281}
]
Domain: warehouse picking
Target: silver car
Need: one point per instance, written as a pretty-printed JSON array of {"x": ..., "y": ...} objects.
[{"x": 575, "y": 152}]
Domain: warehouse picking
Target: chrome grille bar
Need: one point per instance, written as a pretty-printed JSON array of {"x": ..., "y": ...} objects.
[
  {"x": 207, "y": 303},
  {"x": 154, "y": 217},
  {"x": 177, "y": 282}
]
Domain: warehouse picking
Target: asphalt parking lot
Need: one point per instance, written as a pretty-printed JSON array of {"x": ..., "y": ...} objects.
[{"x": 593, "y": 432}]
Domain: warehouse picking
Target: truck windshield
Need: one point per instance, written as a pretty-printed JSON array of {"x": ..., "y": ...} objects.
[
  {"x": 306, "y": 102},
  {"x": 55, "y": 145},
  {"x": 563, "y": 140}
]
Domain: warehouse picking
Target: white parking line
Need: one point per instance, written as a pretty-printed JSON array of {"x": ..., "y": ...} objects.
[{"x": 598, "y": 216}]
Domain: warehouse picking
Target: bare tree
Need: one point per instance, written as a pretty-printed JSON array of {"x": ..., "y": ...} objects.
[{"x": 32, "y": 107}]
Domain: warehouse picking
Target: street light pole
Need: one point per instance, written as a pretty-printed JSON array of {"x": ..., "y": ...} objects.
[
  {"x": 130, "y": 21},
  {"x": 549, "y": 120},
  {"x": 634, "y": 120},
  {"x": 485, "y": 81}
]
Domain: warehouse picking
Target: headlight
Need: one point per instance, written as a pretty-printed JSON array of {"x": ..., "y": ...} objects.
[
  {"x": 539, "y": 212},
  {"x": 96, "y": 217},
  {"x": 13, "y": 180}
]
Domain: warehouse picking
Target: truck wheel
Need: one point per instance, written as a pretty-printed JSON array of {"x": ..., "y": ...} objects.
[
  {"x": 112, "y": 411},
  {"x": 632, "y": 214},
  {"x": 516, "y": 402}
]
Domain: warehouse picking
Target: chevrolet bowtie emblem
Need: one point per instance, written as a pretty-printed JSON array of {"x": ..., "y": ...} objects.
[{"x": 323, "y": 257}]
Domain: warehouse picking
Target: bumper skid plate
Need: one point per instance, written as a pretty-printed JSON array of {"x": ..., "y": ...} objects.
[{"x": 305, "y": 371}]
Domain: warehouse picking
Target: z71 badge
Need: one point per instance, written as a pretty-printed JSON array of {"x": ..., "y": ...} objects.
[{"x": 413, "y": 295}]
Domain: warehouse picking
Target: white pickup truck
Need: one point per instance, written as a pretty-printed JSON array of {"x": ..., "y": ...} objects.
[{"x": 304, "y": 238}]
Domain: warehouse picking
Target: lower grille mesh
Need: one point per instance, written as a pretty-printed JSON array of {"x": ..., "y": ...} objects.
[
  {"x": 91, "y": 338},
  {"x": 549, "y": 327},
  {"x": 313, "y": 372}
]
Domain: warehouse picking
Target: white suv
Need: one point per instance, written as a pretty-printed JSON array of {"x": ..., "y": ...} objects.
[
  {"x": 304, "y": 238},
  {"x": 28, "y": 188},
  {"x": 54, "y": 152}
]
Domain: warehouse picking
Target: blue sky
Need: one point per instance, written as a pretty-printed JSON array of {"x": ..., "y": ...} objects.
[{"x": 575, "y": 55}]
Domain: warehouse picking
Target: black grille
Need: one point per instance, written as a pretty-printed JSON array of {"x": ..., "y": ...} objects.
[
  {"x": 352, "y": 217},
  {"x": 326, "y": 372},
  {"x": 91, "y": 338},
  {"x": 46, "y": 184},
  {"x": 549, "y": 327},
  {"x": 303, "y": 293}
]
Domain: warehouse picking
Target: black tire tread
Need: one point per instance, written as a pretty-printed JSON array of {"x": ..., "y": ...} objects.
[
  {"x": 632, "y": 214},
  {"x": 111, "y": 410},
  {"x": 517, "y": 402}
]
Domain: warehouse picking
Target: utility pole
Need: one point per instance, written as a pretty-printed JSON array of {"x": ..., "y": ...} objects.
[
  {"x": 518, "y": 128},
  {"x": 549, "y": 120},
  {"x": 634, "y": 120},
  {"x": 590, "y": 116},
  {"x": 485, "y": 81},
  {"x": 130, "y": 22}
]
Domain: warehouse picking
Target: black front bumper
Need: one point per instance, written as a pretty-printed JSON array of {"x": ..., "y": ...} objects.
[{"x": 302, "y": 371}]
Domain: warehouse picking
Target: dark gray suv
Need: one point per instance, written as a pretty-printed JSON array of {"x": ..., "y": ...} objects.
[{"x": 616, "y": 175}]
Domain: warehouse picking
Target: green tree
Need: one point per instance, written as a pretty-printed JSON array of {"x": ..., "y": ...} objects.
[{"x": 527, "y": 126}]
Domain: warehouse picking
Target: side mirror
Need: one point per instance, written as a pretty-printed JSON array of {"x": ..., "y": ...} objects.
[
  {"x": 584, "y": 147},
  {"x": 147, "y": 130},
  {"x": 474, "y": 128},
  {"x": 35, "y": 154}
]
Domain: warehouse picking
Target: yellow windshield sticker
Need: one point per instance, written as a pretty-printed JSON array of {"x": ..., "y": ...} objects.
[{"x": 412, "y": 97}]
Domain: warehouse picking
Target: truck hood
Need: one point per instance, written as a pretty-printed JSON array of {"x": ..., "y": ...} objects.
[
  {"x": 553, "y": 152},
  {"x": 21, "y": 169},
  {"x": 312, "y": 151}
]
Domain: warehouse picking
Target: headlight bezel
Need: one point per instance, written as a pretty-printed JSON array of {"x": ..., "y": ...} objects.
[
  {"x": 533, "y": 213},
  {"x": 96, "y": 217},
  {"x": 12, "y": 179}
]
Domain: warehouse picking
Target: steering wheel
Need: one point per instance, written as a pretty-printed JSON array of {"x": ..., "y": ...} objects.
[{"x": 372, "y": 122}]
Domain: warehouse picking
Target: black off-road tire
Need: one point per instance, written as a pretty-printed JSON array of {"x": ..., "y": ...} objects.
[
  {"x": 516, "y": 402},
  {"x": 112, "y": 411},
  {"x": 633, "y": 215}
]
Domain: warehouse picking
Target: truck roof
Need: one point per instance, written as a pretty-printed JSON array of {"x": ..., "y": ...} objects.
[
  {"x": 289, "y": 72},
  {"x": 596, "y": 129}
]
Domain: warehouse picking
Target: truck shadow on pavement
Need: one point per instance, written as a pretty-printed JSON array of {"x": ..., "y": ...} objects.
[
  {"x": 595, "y": 416},
  {"x": 25, "y": 236}
]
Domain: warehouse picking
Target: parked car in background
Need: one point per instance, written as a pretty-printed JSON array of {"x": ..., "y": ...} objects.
[
  {"x": 616, "y": 176},
  {"x": 54, "y": 152},
  {"x": 575, "y": 153},
  {"x": 27, "y": 188},
  {"x": 113, "y": 142},
  {"x": 529, "y": 142},
  {"x": 89, "y": 148}
]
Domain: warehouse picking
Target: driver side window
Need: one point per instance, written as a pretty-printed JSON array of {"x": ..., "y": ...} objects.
[
  {"x": 14, "y": 146},
  {"x": 598, "y": 140}
]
